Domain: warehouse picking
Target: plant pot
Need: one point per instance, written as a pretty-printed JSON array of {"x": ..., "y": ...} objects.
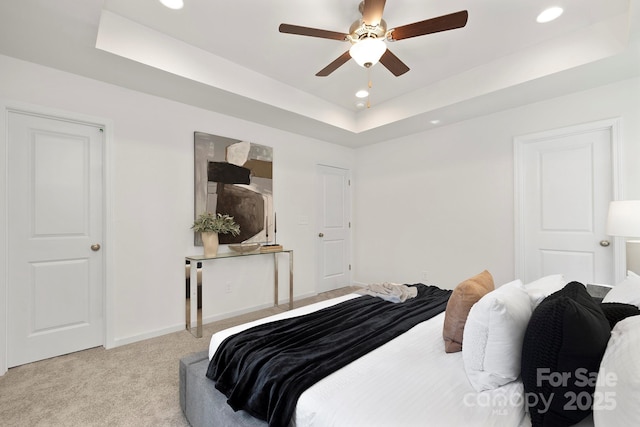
[{"x": 210, "y": 243}]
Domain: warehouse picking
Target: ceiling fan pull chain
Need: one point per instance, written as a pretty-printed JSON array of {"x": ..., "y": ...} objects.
[{"x": 370, "y": 85}]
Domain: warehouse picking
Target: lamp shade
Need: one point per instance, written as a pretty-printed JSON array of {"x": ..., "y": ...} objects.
[
  {"x": 367, "y": 51},
  {"x": 624, "y": 218}
]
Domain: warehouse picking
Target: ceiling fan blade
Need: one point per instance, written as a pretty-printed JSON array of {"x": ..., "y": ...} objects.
[
  {"x": 334, "y": 65},
  {"x": 393, "y": 63},
  {"x": 429, "y": 26},
  {"x": 372, "y": 11},
  {"x": 311, "y": 32}
]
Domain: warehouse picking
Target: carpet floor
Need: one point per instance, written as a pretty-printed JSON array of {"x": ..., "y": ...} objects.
[{"x": 131, "y": 385}]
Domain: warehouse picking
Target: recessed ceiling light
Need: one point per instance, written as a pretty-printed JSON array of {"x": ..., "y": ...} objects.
[
  {"x": 362, "y": 93},
  {"x": 360, "y": 104},
  {"x": 435, "y": 121},
  {"x": 549, "y": 15},
  {"x": 173, "y": 4}
]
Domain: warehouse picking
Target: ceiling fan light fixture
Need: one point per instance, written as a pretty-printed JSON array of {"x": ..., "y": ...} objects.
[
  {"x": 368, "y": 51},
  {"x": 173, "y": 4}
]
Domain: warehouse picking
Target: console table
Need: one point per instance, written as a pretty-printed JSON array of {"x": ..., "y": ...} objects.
[{"x": 193, "y": 273}]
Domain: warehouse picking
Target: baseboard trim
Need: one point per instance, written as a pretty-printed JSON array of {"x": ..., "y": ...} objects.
[
  {"x": 229, "y": 314},
  {"x": 147, "y": 335},
  {"x": 209, "y": 319}
]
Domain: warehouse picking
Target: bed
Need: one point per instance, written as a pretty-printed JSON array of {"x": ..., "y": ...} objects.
[{"x": 413, "y": 381}]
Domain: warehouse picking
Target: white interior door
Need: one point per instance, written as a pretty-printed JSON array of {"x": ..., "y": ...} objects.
[
  {"x": 565, "y": 185},
  {"x": 55, "y": 278},
  {"x": 333, "y": 201}
]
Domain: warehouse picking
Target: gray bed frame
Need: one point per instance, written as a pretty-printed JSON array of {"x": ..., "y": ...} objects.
[{"x": 202, "y": 404}]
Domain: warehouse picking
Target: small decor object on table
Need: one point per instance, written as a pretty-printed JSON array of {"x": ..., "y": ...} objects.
[
  {"x": 209, "y": 225},
  {"x": 244, "y": 248},
  {"x": 272, "y": 247}
]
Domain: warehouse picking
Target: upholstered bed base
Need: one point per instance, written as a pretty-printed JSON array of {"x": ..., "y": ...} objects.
[{"x": 202, "y": 404}]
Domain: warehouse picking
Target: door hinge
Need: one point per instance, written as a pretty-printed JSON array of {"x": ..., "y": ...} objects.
[
  {"x": 349, "y": 267},
  {"x": 349, "y": 224}
]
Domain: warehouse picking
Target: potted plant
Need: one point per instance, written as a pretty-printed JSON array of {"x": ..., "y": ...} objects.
[{"x": 209, "y": 225}]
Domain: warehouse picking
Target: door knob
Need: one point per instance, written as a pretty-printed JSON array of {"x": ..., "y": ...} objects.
[
  {"x": 604, "y": 243},
  {"x": 95, "y": 247},
  {"x": 320, "y": 234}
]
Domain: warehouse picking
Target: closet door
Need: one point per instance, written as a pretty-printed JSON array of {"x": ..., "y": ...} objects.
[
  {"x": 55, "y": 286},
  {"x": 563, "y": 189},
  {"x": 334, "y": 228}
]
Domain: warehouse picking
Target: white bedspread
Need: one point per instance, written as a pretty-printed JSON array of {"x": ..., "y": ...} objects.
[{"x": 409, "y": 381}]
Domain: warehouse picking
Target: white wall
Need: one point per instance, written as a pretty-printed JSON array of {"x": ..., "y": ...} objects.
[
  {"x": 441, "y": 202},
  {"x": 150, "y": 186}
]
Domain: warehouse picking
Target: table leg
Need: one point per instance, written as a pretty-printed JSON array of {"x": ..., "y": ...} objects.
[
  {"x": 187, "y": 308},
  {"x": 275, "y": 280},
  {"x": 194, "y": 299},
  {"x": 290, "y": 280},
  {"x": 199, "y": 301}
]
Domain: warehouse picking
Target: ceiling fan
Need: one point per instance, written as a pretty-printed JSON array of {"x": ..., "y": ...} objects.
[{"x": 367, "y": 36}]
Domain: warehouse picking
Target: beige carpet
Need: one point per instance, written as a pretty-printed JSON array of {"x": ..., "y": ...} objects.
[{"x": 132, "y": 385}]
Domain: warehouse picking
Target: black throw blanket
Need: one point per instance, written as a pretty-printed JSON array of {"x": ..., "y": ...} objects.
[{"x": 265, "y": 369}]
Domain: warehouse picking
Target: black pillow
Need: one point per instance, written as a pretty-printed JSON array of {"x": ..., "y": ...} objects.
[
  {"x": 563, "y": 345},
  {"x": 617, "y": 311}
]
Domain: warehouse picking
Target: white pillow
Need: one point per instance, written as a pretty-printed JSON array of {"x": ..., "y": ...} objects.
[
  {"x": 627, "y": 291},
  {"x": 617, "y": 391},
  {"x": 543, "y": 287},
  {"x": 493, "y": 335}
]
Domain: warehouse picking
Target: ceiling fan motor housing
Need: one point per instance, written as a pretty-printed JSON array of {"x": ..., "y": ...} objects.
[{"x": 360, "y": 30}]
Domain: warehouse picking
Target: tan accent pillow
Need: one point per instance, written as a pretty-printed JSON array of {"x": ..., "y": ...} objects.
[{"x": 462, "y": 299}]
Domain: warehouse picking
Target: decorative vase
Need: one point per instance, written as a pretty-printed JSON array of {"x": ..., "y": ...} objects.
[{"x": 210, "y": 243}]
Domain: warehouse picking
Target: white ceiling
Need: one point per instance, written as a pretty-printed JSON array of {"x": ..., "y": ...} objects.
[{"x": 229, "y": 57}]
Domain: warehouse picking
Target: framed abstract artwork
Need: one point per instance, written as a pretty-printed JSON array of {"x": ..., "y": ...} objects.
[{"x": 235, "y": 177}]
